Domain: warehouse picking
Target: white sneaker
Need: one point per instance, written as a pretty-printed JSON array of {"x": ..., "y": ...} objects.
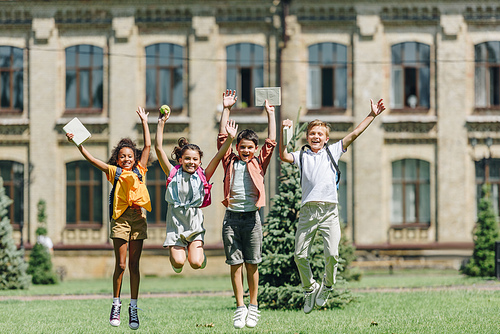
[
  {"x": 323, "y": 294},
  {"x": 239, "y": 317},
  {"x": 253, "y": 316},
  {"x": 114, "y": 317},
  {"x": 310, "y": 298}
]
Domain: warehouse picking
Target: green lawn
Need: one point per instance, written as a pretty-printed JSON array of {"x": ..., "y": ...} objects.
[{"x": 422, "y": 311}]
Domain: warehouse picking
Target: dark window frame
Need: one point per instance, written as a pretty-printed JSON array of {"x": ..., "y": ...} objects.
[
  {"x": 483, "y": 170},
  {"x": 14, "y": 107},
  {"x": 486, "y": 61},
  {"x": 172, "y": 66},
  {"x": 95, "y": 180},
  {"x": 91, "y": 109},
  {"x": 156, "y": 184},
  {"x": 14, "y": 189}
]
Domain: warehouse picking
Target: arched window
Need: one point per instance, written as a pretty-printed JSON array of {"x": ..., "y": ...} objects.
[
  {"x": 164, "y": 76},
  {"x": 11, "y": 79},
  {"x": 84, "y": 78},
  {"x": 245, "y": 71},
  {"x": 410, "y": 76},
  {"x": 83, "y": 194},
  {"x": 410, "y": 192},
  {"x": 12, "y": 174},
  {"x": 487, "y": 76},
  {"x": 327, "y": 85}
]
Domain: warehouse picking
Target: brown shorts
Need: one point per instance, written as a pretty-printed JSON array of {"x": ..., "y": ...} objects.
[{"x": 131, "y": 225}]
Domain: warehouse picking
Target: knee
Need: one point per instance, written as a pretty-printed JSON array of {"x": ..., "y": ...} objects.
[
  {"x": 133, "y": 266},
  {"x": 120, "y": 266},
  {"x": 195, "y": 264}
]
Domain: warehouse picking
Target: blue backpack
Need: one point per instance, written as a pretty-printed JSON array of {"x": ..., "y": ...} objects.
[{"x": 112, "y": 193}]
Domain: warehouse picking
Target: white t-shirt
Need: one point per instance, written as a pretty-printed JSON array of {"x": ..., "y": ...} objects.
[
  {"x": 319, "y": 177},
  {"x": 243, "y": 193}
]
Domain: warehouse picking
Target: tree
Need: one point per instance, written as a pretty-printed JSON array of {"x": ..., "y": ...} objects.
[
  {"x": 279, "y": 276},
  {"x": 12, "y": 265},
  {"x": 40, "y": 263},
  {"x": 482, "y": 262}
]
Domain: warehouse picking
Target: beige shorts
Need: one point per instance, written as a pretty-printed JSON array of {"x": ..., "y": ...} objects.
[{"x": 131, "y": 225}]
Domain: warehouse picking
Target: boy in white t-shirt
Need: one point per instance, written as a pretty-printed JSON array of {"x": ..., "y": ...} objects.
[{"x": 319, "y": 202}]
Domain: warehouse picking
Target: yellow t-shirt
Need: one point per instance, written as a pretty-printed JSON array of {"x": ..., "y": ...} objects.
[{"x": 129, "y": 190}]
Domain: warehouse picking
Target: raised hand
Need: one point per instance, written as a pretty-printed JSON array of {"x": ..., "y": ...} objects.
[
  {"x": 231, "y": 128},
  {"x": 269, "y": 109},
  {"x": 287, "y": 122},
  {"x": 229, "y": 98},
  {"x": 377, "y": 108},
  {"x": 70, "y": 136},
  {"x": 142, "y": 114},
  {"x": 162, "y": 117}
]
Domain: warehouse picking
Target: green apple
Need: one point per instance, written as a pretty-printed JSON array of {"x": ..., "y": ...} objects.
[{"x": 164, "y": 109}]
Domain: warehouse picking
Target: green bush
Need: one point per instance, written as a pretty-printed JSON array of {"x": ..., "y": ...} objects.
[
  {"x": 482, "y": 262},
  {"x": 12, "y": 265}
]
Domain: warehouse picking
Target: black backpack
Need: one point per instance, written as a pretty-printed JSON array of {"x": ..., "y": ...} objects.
[
  {"x": 329, "y": 156},
  {"x": 112, "y": 193}
]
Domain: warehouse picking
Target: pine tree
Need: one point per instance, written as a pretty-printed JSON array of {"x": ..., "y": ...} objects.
[
  {"x": 279, "y": 277},
  {"x": 40, "y": 263},
  {"x": 12, "y": 265},
  {"x": 482, "y": 262}
]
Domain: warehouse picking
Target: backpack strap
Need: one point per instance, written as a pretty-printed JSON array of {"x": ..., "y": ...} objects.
[
  {"x": 330, "y": 156},
  {"x": 119, "y": 171},
  {"x": 172, "y": 173}
]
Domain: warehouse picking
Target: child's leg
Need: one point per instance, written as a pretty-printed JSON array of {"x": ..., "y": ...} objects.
[
  {"x": 120, "y": 250},
  {"x": 253, "y": 281},
  {"x": 177, "y": 256},
  {"x": 330, "y": 230},
  {"x": 135, "y": 251},
  {"x": 237, "y": 281},
  {"x": 306, "y": 229},
  {"x": 196, "y": 256}
]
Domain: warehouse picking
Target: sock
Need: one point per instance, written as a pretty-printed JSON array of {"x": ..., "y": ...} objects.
[
  {"x": 243, "y": 306},
  {"x": 133, "y": 302},
  {"x": 252, "y": 305},
  {"x": 117, "y": 301}
]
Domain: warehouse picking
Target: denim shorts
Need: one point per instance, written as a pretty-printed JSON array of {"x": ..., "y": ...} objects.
[{"x": 242, "y": 237}]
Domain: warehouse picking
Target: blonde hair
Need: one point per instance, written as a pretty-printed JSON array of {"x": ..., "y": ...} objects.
[{"x": 317, "y": 122}]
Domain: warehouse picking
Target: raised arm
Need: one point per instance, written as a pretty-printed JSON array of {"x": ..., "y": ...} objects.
[
  {"x": 271, "y": 120},
  {"x": 229, "y": 98},
  {"x": 284, "y": 155},
  {"x": 376, "y": 109},
  {"x": 147, "y": 136},
  {"x": 160, "y": 153},
  {"x": 89, "y": 157},
  {"x": 231, "y": 129}
]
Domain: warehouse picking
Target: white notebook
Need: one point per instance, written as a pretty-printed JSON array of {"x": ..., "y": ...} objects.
[
  {"x": 271, "y": 94},
  {"x": 287, "y": 134},
  {"x": 79, "y": 131}
]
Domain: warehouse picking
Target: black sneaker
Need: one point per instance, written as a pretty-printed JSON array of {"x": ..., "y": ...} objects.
[
  {"x": 133, "y": 319},
  {"x": 114, "y": 317}
]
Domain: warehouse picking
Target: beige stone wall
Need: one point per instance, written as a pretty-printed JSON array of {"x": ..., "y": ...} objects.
[{"x": 440, "y": 136}]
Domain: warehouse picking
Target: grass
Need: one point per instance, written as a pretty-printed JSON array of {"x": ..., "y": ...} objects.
[{"x": 423, "y": 311}]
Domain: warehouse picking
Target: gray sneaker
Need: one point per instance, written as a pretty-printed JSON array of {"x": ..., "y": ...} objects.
[
  {"x": 310, "y": 298},
  {"x": 323, "y": 294}
]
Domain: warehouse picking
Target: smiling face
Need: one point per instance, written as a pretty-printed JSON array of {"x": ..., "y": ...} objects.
[
  {"x": 246, "y": 149},
  {"x": 126, "y": 158},
  {"x": 190, "y": 161},
  {"x": 317, "y": 137}
]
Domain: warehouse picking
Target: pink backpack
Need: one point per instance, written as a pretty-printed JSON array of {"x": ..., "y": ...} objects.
[{"x": 207, "y": 199}]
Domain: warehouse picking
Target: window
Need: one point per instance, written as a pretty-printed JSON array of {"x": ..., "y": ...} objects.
[
  {"x": 487, "y": 76},
  {"x": 12, "y": 174},
  {"x": 343, "y": 192},
  {"x": 156, "y": 183},
  {"x": 245, "y": 71},
  {"x": 327, "y": 87},
  {"x": 488, "y": 171},
  {"x": 84, "y": 78},
  {"x": 410, "y": 192},
  {"x": 83, "y": 194},
  {"x": 164, "y": 76},
  {"x": 410, "y": 76},
  {"x": 11, "y": 79}
]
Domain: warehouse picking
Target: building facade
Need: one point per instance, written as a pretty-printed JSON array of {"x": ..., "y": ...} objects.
[{"x": 410, "y": 183}]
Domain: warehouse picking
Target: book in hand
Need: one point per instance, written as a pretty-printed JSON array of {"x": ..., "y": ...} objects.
[
  {"x": 79, "y": 131},
  {"x": 287, "y": 134},
  {"x": 271, "y": 94}
]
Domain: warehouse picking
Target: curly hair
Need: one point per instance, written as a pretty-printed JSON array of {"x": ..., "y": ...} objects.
[
  {"x": 125, "y": 142},
  {"x": 184, "y": 145}
]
